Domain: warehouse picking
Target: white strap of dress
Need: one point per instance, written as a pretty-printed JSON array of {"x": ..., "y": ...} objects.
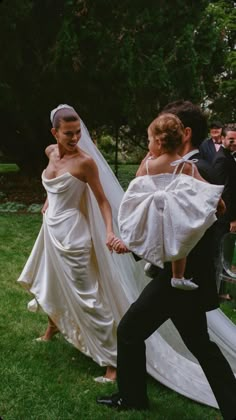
[
  {"x": 146, "y": 164},
  {"x": 176, "y": 163}
]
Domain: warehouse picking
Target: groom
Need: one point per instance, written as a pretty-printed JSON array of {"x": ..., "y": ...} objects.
[{"x": 187, "y": 310}]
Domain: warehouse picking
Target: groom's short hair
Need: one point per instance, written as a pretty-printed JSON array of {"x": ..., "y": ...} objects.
[{"x": 191, "y": 116}]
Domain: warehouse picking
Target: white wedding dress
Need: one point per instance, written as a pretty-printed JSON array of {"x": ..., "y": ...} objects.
[
  {"x": 116, "y": 280},
  {"x": 63, "y": 276}
]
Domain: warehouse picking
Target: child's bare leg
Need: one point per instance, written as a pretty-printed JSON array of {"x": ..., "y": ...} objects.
[
  {"x": 178, "y": 280},
  {"x": 178, "y": 268}
]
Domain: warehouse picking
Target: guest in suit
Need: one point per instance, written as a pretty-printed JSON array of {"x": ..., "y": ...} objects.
[
  {"x": 159, "y": 302},
  {"x": 210, "y": 146},
  {"x": 224, "y": 166}
]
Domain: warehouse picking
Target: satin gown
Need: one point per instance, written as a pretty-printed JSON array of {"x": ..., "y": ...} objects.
[{"x": 63, "y": 275}]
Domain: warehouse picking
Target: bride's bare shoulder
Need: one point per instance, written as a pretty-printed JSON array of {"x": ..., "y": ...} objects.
[
  {"x": 86, "y": 158},
  {"x": 50, "y": 149}
]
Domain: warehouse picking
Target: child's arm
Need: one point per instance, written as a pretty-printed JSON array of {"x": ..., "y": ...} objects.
[
  {"x": 221, "y": 207},
  {"x": 192, "y": 170},
  {"x": 142, "y": 170},
  {"x": 197, "y": 175}
]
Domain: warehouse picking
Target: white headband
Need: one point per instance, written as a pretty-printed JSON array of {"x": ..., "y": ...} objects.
[{"x": 53, "y": 112}]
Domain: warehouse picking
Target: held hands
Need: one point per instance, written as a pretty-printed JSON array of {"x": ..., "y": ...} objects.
[{"x": 115, "y": 244}]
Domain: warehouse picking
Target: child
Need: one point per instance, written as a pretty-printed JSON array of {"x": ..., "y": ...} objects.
[{"x": 168, "y": 208}]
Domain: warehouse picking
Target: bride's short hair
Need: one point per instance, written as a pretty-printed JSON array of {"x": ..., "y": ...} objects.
[{"x": 64, "y": 114}]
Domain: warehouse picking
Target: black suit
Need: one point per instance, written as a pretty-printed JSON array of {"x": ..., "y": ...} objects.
[
  {"x": 204, "y": 167},
  {"x": 224, "y": 167},
  {"x": 159, "y": 302},
  {"x": 208, "y": 150}
]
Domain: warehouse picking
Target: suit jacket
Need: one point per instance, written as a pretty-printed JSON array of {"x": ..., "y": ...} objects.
[
  {"x": 201, "y": 268},
  {"x": 208, "y": 150},
  {"x": 200, "y": 261},
  {"x": 224, "y": 167},
  {"x": 204, "y": 168}
]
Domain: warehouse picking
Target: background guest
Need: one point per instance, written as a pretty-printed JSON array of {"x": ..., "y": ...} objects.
[
  {"x": 224, "y": 166},
  {"x": 211, "y": 145}
]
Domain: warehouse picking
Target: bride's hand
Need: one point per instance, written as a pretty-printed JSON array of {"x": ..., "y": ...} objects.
[
  {"x": 110, "y": 239},
  {"x": 115, "y": 244},
  {"x": 119, "y": 247}
]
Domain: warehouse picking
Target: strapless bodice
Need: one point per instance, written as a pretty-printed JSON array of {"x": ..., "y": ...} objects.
[{"x": 64, "y": 192}]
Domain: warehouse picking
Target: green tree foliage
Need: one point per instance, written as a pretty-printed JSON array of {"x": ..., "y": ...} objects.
[
  {"x": 143, "y": 56},
  {"x": 32, "y": 33},
  {"x": 118, "y": 63},
  {"x": 221, "y": 81}
]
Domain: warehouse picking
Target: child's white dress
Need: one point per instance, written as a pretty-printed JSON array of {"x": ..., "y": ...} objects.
[{"x": 162, "y": 217}]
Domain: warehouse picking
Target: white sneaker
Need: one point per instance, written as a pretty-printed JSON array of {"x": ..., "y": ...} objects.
[{"x": 184, "y": 284}]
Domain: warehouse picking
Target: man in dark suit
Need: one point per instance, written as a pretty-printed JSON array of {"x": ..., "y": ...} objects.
[
  {"x": 187, "y": 310},
  {"x": 224, "y": 166},
  {"x": 210, "y": 146}
]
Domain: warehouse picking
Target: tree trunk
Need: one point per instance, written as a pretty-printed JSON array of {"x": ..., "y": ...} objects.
[{"x": 116, "y": 150}]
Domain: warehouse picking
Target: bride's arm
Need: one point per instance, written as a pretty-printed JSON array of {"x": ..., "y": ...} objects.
[
  {"x": 92, "y": 178},
  {"x": 45, "y": 206}
]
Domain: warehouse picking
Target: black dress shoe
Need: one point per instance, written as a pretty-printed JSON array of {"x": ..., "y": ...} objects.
[
  {"x": 116, "y": 401},
  {"x": 113, "y": 401}
]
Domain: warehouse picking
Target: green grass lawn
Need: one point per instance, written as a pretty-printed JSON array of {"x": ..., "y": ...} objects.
[
  {"x": 126, "y": 173},
  {"x": 8, "y": 167},
  {"x": 54, "y": 381}
]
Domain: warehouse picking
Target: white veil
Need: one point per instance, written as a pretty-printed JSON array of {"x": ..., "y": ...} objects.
[{"x": 168, "y": 360}]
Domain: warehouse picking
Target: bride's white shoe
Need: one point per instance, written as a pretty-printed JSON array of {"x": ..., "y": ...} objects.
[{"x": 104, "y": 380}]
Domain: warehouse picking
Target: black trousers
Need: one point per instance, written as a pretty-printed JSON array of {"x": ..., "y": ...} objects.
[{"x": 157, "y": 303}]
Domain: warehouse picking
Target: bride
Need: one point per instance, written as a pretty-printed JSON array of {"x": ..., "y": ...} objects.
[{"x": 62, "y": 269}]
